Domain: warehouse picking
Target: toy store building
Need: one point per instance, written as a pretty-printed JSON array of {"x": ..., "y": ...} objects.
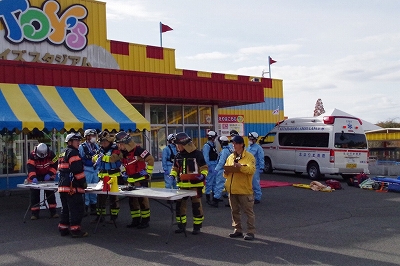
[{"x": 60, "y": 73}]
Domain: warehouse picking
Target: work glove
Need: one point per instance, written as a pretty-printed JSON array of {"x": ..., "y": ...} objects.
[
  {"x": 84, "y": 185},
  {"x": 34, "y": 181},
  {"x": 171, "y": 177},
  {"x": 98, "y": 161},
  {"x": 143, "y": 173},
  {"x": 261, "y": 171},
  {"x": 47, "y": 177},
  {"x": 124, "y": 176}
]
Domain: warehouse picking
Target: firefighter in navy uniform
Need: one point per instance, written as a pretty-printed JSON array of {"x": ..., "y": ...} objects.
[
  {"x": 71, "y": 187},
  {"x": 185, "y": 162},
  {"x": 108, "y": 163},
  {"x": 42, "y": 166},
  {"x": 139, "y": 165}
]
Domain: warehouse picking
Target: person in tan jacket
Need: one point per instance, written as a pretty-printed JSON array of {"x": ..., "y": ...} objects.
[{"x": 239, "y": 169}]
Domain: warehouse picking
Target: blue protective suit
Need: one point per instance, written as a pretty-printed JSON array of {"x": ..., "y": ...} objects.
[
  {"x": 210, "y": 179},
  {"x": 168, "y": 155},
  {"x": 258, "y": 154},
  {"x": 86, "y": 151},
  {"x": 219, "y": 169}
]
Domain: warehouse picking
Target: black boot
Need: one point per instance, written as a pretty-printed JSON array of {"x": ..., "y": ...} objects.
[
  {"x": 144, "y": 223},
  {"x": 112, "y": 219},
  {"x": 208, "y": 199},
  {"x": 86, "y": 211},
  {"x": 181, "y": 228},
  {"x": 196, "y": 230},
  {"x": 135, "y": 223},
  {"x": 93, "y": 209},
  {"x": 214, "y": 203}
]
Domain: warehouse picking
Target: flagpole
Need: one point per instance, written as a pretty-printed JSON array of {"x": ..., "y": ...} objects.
[
  {"x": 269, "y": 66},
  {"x": 160, "y": 34}
]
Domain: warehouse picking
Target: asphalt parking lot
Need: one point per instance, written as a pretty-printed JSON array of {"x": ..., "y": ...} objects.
[{"x": 295, "y": 226}]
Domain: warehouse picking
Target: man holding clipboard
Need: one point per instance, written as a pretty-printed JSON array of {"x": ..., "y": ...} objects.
[{"x": 238, "y": 170}]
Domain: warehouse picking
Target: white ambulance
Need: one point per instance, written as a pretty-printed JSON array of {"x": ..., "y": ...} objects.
[{"x": 317, "y": 146}]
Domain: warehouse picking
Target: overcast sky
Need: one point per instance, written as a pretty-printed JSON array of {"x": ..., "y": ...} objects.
[{"x": 345, "y": 52}]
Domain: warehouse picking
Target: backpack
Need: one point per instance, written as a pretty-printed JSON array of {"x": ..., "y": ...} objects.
[
  {"x": 334, "y": 184},
  {"x": 357, "y": 180},
  {"x": 213, "y": 154}
]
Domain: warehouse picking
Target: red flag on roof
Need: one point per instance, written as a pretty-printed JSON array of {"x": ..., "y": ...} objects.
[
  {"x": 165, "y": 28},
  {"x": 271, "y": 61}
]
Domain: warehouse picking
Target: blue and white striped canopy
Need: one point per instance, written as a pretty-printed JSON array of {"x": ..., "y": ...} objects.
[{"x": 25, "y": 107}]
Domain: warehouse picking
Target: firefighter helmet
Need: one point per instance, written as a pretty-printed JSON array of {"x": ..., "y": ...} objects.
[
  {"x": 73, "y": 136},
  {"x": 105, "y": 135},
  {"x": 41, "y": 150},
  {"x": 89, "y": 132},
  {"x": 122, "y": 137},
  {"x": 182, "y": 138}
]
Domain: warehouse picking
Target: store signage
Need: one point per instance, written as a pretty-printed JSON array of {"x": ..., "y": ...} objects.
[
  {"x": 226, "y": 123},
  {"x": 230, "y": 118},
  {"x": 36, "y": 57},
  {"x": 26, "y": 23}
]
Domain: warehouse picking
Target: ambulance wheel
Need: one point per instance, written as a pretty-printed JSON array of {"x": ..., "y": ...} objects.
[
  {"x": 313, "y": 171},
  {"x": 267, "y": 165}
]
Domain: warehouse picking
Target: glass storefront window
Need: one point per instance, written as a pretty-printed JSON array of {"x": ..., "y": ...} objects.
[
  {"x": 157, "y": 114},
  {"x": 206, "y": 115},
  {"x": 139, "y": 107},
  {"x": 174, "y": 130},
  {"x": 193, "y": 132},
  {"x": 11, "y": 153},
  {"x": 174, "y": 114},
  {"x": 190, "y": 115},
  {"x": 158, "y": 141}
]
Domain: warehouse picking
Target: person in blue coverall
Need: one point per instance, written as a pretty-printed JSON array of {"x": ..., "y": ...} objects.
[
  {"x": 87, "y": 150},
  {"x": 210, "y": 155},
  {"x": 258, "y": 153},
  {"x": 219, "y": 169},
  {"x": 168, "y": 156}
]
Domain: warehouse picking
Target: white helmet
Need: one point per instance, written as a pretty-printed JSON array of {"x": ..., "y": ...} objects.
[
  {"x": 171, "y": 137},
  {"x": 41, "y": 150},
  {"x": 253, "y": 135},
  {"x": 73, "y": 136},
  {"x": 211, "y": 134},
  {"x": 89, "y": 132},
  {"x": 223, "y": 140}
]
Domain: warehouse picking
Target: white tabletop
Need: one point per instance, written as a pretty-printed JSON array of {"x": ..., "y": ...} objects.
[{"x": 154, "y": 193}]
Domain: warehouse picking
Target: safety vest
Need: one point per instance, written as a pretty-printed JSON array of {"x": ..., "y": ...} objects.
[
  {"x": 89, "y": 152},
  {"x": 133, "y": 166}
]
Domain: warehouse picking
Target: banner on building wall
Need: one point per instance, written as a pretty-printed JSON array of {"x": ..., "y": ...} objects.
[{"x": 226, "y": 123}]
